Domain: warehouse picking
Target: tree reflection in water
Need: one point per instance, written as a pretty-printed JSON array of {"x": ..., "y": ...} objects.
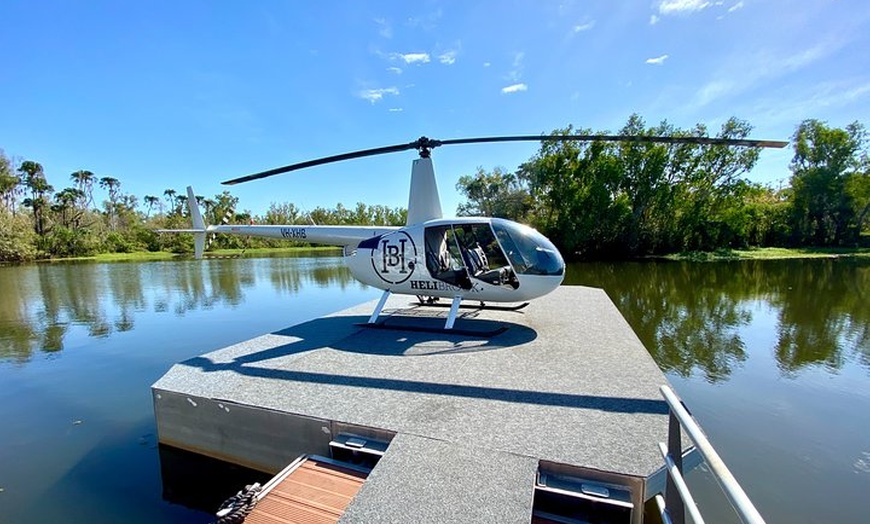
[
  {"x": 41, "y": 304},
  {"x": 691, "y": 315}
]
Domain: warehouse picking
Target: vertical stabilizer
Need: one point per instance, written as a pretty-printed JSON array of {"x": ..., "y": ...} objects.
[
  {"x": 198, "y": 224},
  {"x": 423, "y": 203}
]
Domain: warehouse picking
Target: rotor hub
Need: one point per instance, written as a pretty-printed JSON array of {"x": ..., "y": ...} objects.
[{"x": 424, "y": 146}]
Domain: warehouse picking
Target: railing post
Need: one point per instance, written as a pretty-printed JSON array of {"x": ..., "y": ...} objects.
[{"x": 676, "y": 508}]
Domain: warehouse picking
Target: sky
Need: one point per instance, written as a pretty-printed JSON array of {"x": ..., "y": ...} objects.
[{"x": 165, "y": 94}]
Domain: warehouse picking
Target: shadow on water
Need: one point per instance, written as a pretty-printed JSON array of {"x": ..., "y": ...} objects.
[
  {"x": 690, "y": 315},
  {"x": 202, "y": 483}
]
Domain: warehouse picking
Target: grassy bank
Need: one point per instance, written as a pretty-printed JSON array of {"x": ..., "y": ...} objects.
[
  {"x": 771, "y": 253},
  {"x": 147, "y": 256}
]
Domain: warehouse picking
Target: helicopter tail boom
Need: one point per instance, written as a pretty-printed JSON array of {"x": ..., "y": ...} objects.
[{"x": 326, "y": 235}]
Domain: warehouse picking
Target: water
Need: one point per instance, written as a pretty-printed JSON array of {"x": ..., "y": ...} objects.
[
  {"x": 80, "y": 345},
  {"x": 772, "y": 357}
]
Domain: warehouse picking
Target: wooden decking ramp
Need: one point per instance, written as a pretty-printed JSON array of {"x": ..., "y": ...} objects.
[{"x": 312, "y": 490}]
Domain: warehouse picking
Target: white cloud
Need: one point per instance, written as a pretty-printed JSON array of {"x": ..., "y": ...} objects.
[
  {"x": 518, "y": 59},
  {"x": 678, "y": 7},
  {"x": 659, "y": 60},
  {"x": 486, "y": 64},
  {"x": 653, "y": 20},
  {"x": 384, "y": 28},
  {"x": 516, "y": 68},
  {"x": 713, "y": 90},
  {"x": 395, "y": 110},
  {"x": 376, "y": 95},
  {"x": 447, "y": 58},
  {"x": 515, "y": 88},
  {"x": 586, "y": 26},
  {"x": 744, "y": 73},
  {"x": 395, "y": 70},
  {"x": 412, "y": 58},
  {"x": 735, "y": 7}
]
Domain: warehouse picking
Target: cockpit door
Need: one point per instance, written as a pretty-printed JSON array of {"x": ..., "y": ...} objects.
[{"x": 460, "y": 254}]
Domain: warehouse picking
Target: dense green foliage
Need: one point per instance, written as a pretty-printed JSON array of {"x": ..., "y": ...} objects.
[
  {"x": 38, "y": 222},
  {"x": 605, "y": 199},
  {"x": 593, "y": 199}
]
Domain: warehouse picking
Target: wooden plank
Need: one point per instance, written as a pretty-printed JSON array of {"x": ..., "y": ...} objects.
[{"x": 315, "y": 493}]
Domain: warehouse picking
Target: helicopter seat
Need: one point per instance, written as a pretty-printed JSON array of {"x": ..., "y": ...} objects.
[{"x": 475, "y": 260}]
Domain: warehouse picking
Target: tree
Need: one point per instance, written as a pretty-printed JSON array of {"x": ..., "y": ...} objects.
[
  {"x": 824, "y": 211},
  {"x": 84, "y": 181},
  {"x": 286, "y": 213},
  {"x": 34, "y": 180},
  {"x": 66, "y": 206},
  {"x": 858, "y": 189},
  {"x": 180, "y": 203},
  {"x": 150, "y": 201},
  {"x": 170, "y": 198},
  {"x": 17, "y": 239},
  {"x": 9, "y": 183},
  {"x": 575, "y": 194},
  {"x": 635, "y": 197},
  {"x": 113, "y": 186},
  {"x": 494, "y": 194},
  {"x": 709, "y": 192}
]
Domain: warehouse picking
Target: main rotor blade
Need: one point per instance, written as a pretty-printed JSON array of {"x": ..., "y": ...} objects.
[
  {"x": 325, "y": 160},
  {"x": 424, "y": 144},
  {"x": 621, "y": 138}
]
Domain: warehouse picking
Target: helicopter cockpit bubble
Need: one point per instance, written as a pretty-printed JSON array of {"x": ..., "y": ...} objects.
[{"x": 529, "y": 252}]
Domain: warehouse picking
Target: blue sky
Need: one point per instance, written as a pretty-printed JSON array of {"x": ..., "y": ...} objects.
[{"x": 162, "y": 94}]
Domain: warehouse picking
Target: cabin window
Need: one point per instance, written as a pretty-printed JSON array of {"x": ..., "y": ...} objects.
[
  {"x": 530, "y": 252},
  {"x": 444, "y": 258},
  {"x": 462, "y": 253}
]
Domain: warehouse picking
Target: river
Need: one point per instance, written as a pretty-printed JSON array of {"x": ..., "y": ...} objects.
[{"x": 772, "y": 357}]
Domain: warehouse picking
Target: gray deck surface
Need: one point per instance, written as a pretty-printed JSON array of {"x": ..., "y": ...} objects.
[
  {"x": 568, "y": 382},
  {"x": 426, "y": 480}
]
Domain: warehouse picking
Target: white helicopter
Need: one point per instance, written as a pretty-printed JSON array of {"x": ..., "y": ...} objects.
[{"x": 483, "y": 259}]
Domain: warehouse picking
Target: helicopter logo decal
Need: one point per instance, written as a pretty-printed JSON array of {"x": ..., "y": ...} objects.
[{"x": 393, "y": 257}]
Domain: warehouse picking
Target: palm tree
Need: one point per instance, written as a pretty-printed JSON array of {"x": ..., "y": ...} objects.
[
  {"x": 66, "y": 200},
  {"x": 170, "y": 197},
  {"x": 150, "y": 201},
  {"x": 34, "y": 179},
  {"x": 112, "y": 185},
  {"x": 180, "y": 201},
  {"x": 84, "y": 180}
]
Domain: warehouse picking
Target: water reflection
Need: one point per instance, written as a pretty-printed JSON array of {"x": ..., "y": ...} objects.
[
  {"x": 692, "y": 316},
  {"x": 42, "y": 305}
]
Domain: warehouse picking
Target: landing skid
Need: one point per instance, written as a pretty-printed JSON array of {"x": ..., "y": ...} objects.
[
  {"x": 455, "y": 304},
  {"x": 470, "y": 306}
]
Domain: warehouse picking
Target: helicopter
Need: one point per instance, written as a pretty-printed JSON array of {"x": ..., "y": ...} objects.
[{"x": 483, "y": 259}]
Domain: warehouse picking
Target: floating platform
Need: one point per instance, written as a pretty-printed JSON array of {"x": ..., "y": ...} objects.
[{"x": 474, "y": 428}]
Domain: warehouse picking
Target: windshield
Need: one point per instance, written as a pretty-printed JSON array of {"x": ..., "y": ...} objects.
[{"x": 530, "y": 252}]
